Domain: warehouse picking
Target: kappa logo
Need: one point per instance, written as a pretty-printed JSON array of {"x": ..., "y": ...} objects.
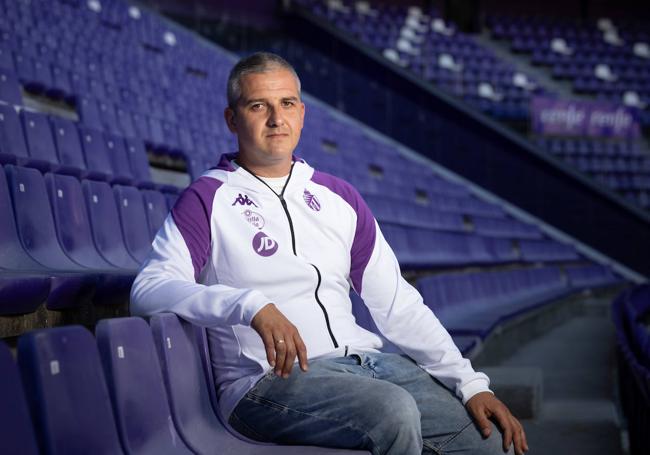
[
  {"x": 254, "y": 218},
  {"x": 243, "y": 200},
  {"x": 311, "y": 201},
  {"x": 264, "y": 245}
]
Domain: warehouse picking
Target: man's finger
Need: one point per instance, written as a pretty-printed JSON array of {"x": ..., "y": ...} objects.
[
  {"x": 267, "y": 339},
  {"x": 280, "y": 353},
  {"x": 302, "y": 352},
  {"x": 506, "y": 426},
  {"x": 289, "y": 358},
  {"x": 519, "y": 437},
  {"x": 483, "y": 424}
]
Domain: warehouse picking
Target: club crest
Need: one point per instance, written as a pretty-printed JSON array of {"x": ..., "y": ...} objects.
[{"x": 311, "y": 201}]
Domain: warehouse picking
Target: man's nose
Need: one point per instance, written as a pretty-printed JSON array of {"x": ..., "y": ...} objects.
[{"x": 275, "y": 118}]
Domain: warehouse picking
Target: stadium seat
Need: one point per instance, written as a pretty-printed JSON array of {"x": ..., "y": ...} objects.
[
  {"x": 136, "y": 387},
  {"x": 72, "y": 222},
  {"x": 184, "y": 359},
  {"x": 40, "y": 142},
  {"x": 118, "y": 154},
  {"x": 105, "y": 224},
  {"x": 156, "y": 209},
  {"x": 71, "y": 284},
  {"x": 12, "y": 139},
  {"x": 68, "y": 146},
  {"x": 139, "y": 163},
  {"x": 34, "y": 219},
  {"x": 133, "y": 218},
  {"x": 16, "y": 430},
  {"x": 98, "y": 162},
  {"x": 10, "y": 88},
  {"x": 66, "y": 392}
]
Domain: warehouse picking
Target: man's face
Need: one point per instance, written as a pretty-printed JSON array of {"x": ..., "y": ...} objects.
[{"x": 268, "y": 117}]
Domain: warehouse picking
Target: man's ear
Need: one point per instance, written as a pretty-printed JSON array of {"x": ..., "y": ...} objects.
[{"x": 229, "y": 116}]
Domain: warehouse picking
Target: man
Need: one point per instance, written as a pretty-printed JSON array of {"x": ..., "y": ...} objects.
[{"x": 262, "y": 250}]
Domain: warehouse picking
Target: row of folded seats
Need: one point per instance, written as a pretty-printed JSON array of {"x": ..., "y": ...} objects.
[
  {"x": 65, "y": 241},
  {"x": 473, "y": 305},
  {"x": 134, "y": 389},
  {"x": 53, "y": 143},
  {"x": 631, "y": 315}
]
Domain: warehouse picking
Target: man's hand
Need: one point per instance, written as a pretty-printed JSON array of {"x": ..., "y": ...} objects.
[
  {"x": 281, "y": 340},
  {"x": 484, "y": 407}
]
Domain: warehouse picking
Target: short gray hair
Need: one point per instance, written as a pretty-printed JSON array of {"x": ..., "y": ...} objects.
[{"x": 259, "y": 62}]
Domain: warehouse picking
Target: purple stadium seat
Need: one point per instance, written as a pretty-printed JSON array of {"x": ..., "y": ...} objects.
[
  {"x": 9, "y": 88},
  {"x": 89, "y": 112},
  {"x": 133, "y": 219},
  {"x": 12, "y": 140},
  {"x": 6, "y": 58},
  {"x": 118, "y": 155},
  {"x": 40, "y": 142},
  {"x": 184, "y": 357},
  {"x": 72, "y": 222},
  {"x": 138, "y": 162},
  {"x": 98, "y": 161},
  {"x": 16, "y": 430},
  {"x": 156, "y": 209},
  {"x": 68, "y": 146},
  {"x": 105, "y": 224},
  {"x": 34, "y": 219},
  {"x": 136, "y": 387},
  {"x": 72, "y": 285},
  {"x": 66, "y": 392}
]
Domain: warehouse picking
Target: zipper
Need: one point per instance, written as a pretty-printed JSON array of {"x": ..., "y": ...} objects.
[
  {"x": 283, "y": 202},
  {"x": 322, "y": 307}
]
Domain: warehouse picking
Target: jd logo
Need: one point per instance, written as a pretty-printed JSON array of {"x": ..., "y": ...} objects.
[
  {"x": 243, "y": 200},
  {"x": 264, "y": 245}
]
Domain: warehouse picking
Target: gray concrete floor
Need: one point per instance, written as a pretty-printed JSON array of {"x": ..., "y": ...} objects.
[{"x": 578, "y": 415}]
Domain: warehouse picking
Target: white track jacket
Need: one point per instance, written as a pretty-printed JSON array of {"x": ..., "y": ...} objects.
[{"x": 231, "y": 245}]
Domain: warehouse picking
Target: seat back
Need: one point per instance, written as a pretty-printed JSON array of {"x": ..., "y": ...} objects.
[
  {"x": 40, "y": 142},
  {"x": 133, "y": 219},
  {"x": 118, "y": 155},
  {"x": 12, "y": 253},
  {"x": 185, "y": 359},
  {"x": 12, "y": 139},
  {"x": 9, "y": 88},
  {"x": 16, "y": 430},
  {"x": 68, "y": 145},
  {"x": 98, "y": 162},
  {"x": 138, "y": 160},
  {"x": 105, "y": 224},
  {"x": 156, "y": 210},
  {"x": 66, "y": 392},
  {"x": 136, "y": 387},
  {"x": 34, "y": 219},
  {"x": 187, "y": 389},
  {"x": 71, "y": 221}
]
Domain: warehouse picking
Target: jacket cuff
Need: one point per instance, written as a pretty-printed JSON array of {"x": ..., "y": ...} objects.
[
  {"x": 254, "y": 302},
  {"x": 478, "y": 385}
]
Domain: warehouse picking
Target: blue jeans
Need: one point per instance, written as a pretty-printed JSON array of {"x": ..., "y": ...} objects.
[{"x": 383, "y": 403}]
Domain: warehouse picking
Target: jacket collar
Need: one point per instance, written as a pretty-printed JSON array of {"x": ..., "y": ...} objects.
[{"x": 240, "y": 177}]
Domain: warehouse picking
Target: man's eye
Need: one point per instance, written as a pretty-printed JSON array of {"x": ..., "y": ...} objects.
[
  {"x": 288, "y": 103},
  {"x": 257, "y": 106}
]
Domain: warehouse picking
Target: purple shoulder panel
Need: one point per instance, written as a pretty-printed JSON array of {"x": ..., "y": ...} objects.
[
  {"x": 192, "y": 213},
  {"x": 365, "y": 233}
]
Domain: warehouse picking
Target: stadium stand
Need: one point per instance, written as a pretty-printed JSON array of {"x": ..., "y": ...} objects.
[
  {"x": 82, "y": 206},
  {"x": 631, "y": 314}
]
